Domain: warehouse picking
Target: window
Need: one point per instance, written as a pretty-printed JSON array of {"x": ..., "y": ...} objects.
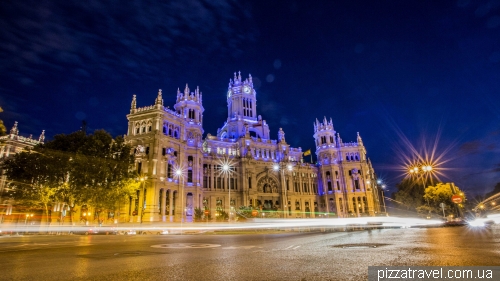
[
  {"x": 138, "y": 131},
  {"x": 190, "y": 175},
  {"x": 164, "y": 129},
  {"x": 249, "y": 182},
  {"x": 330, "y": 186},
  {"x": 169, "y": 171},
  {"x": 356, "y": 183},
  {"x": 338, "y": 185},
  {"x": 139, "y": 167},
  {"x": 147, "y": 150},
  {"x": 163, "y": 151},
  {"x": 150, "y": 128}
]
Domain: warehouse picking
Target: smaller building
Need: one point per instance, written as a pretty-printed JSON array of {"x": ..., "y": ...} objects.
[{"x": 9, "y": 145}]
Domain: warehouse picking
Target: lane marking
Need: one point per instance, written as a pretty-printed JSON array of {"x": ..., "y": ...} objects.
[{"x": 186, "y": 246}]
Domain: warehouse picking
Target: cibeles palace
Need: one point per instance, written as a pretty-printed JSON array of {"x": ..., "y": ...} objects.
[{"x": 242, "y": 165}]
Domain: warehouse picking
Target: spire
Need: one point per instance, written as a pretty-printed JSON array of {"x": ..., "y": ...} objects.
[
  {"x": 159, "y": 99},
  {"x": 239, "y": 76},
  {"x": 42, "y": 136},
  {"x": 235, "y": 78},
  {"x": 134, "y": 102},
  {"x": 186, "y": 91},
  {"x": 281, "y": 135},
  {"x": 360, "y": 141},
  {"x": 250, "y": 78},
  {"x": 14, "y": 130}
]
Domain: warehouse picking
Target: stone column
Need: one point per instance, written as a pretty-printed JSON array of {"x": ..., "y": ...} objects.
[
  {"x": 171, "y": 204},
  {"x": 163, "y": 203}
]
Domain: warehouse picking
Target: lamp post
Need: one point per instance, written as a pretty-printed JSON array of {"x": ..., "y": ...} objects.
[
  {"x": 143, "y": 207},
  {"x": 226, "y": 169},
  {"x": 180, "y": 178},
  {"x": 382, "y": 186},
  {"x": 383, "y": 199},
  {"x": 280, "y": 168}
]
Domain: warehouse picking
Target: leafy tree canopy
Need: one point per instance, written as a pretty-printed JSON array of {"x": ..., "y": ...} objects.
[
  {"x": 3, "y": 130},
  {"x": 441, "y": 193},
  {"x": 77, "y": 168}
]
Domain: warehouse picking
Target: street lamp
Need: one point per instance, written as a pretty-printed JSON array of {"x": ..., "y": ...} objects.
[
  {"x": 180, "y": 176},
  {"x": 383, "y": 198},
  {"x": 143, "y": 207},
  {"x": 226, "y": 169},
  {"x": 280, "y": 167}
]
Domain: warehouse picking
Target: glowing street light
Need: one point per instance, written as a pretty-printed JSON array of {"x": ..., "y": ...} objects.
[
  {"x": 226, "y": 169},
  {"x": 282, "y": 166},
  {"x": 180, "y": 175},
  {"x": 142, "y": 208}
]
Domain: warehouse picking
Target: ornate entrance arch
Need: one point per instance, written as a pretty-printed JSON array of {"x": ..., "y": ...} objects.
[{"x": 267, "y": 184}]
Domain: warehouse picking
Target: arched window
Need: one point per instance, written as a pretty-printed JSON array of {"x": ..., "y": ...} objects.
[
  {"x": 347, "y": 157},
  {"x": 164, "y": 130},
  {"x": 169, "y": 171},
  {"x": 357, "y": 156},
  {"x": 137, "y": 131}
]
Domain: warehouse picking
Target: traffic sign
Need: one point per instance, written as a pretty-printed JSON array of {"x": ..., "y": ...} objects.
[{"x": 456, "y": 199}]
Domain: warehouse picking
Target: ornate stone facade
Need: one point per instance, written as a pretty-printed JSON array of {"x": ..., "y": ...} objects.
[{"x": 241, "y": 165}]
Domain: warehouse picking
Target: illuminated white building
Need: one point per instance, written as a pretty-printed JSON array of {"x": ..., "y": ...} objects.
[
  {"x": 181, "y": 168},
  {"x": 9, "y": 145}
]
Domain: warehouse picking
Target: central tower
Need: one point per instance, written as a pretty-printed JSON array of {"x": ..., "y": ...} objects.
[
  {"x": 242, "y": 115},
  {"x": 241, "y": 98}
]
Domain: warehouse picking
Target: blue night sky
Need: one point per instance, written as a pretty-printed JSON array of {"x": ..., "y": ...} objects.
[{"x": 402, "y": 73}]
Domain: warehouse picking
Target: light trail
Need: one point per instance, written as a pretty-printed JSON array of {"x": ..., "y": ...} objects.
[{"x": 368, "y": 222}]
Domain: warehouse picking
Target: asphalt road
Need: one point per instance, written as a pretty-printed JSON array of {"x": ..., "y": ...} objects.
[{"x": 260, "y": 256}]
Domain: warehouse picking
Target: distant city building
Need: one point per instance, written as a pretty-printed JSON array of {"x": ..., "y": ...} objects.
[
  {"x": 241, "y": 165},
  {"x": 9, "y": 145}
]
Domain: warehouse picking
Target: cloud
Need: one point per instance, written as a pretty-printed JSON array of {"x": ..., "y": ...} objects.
[
  {"x": 95, "y": 36},
  {"x": 470, "y": 147}
]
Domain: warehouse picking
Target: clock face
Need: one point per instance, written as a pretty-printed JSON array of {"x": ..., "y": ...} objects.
[{"x": 246, "y": 89}]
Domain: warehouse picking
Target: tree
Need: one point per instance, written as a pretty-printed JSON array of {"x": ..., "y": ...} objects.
[
  {"x": 36, "y": 177},
  {"x": 77, "y": 169},
  {"x": 410, "y": 193},
  {"x": 3, "y": 130},
  {"x": 442, "y": 193}
]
